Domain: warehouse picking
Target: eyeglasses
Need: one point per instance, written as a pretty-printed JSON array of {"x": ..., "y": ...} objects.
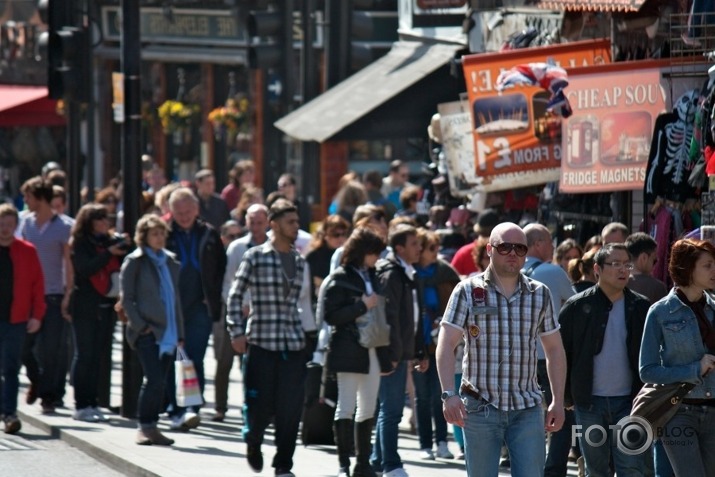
[
  {"x": 505, "y": 248},
  {"x": 232, "y": 236},
  {"x": 337, "y": 234},
  {"x": 284, "y": 184},
  {"x": 620, "y": 265},
  {"x": 100, "y": 217}
]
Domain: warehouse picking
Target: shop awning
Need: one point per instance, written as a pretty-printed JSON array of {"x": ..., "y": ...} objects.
[
  {"x": 593, "y": 5},
  {"x": 394, "y": 96},
  {"x": 27, "y": 106}
]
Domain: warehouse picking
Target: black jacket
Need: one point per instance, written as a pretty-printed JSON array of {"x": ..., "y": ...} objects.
[
  {"x": 342, "y": 304},
  {"x": 212, "y": 261},
  {"x": 583, "y": 320},
  {"x": 89, "y": 256},
  {"x": 405, "y": 342}
]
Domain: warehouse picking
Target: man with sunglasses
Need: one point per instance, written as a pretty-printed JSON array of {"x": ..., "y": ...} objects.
[
  {"x": 499, "y": 314},
  {"x": 601, "y": 328}
]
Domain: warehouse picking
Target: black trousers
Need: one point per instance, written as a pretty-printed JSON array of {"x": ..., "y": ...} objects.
[{"x": 274, "y": 383}]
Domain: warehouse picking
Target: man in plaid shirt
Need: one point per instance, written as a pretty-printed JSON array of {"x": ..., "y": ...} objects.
[
  {"x": 272, "y": 339},
  {"x": 499, "y": 314}
]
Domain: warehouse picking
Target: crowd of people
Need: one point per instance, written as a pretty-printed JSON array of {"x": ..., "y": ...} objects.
[{"x": 503, "y": 333}]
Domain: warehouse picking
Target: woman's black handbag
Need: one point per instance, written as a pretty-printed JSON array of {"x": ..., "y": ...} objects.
[{"x": 658, "y": 403}]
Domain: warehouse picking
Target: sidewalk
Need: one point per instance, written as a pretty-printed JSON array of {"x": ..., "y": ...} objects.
[{"x": 214, "y": 449}]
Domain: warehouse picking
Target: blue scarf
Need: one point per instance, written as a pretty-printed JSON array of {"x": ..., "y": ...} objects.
[{"x": 167, "y": 345}]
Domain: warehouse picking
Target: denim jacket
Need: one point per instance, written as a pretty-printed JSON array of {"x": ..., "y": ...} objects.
[{"x": 672, "y": 346}]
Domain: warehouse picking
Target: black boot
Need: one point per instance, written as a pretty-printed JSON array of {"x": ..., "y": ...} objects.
[
  {"x": 343, "y": 429},
  {"x": 363, "y": 449}
]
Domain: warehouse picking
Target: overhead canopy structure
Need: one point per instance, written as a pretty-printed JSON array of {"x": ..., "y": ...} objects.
[
  {"x": 27, "y": 106},
  {"x": 593, "y": 5},
  {"x": 394, "y": 96}
]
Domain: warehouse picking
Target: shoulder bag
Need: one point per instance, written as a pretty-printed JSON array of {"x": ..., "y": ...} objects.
[{"x": 658, "y": 403}]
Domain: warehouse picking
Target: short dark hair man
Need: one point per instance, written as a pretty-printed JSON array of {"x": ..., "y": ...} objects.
[
  {"x": 643, "y": 250},
  {"x": 602, "y": 329},
  {"x": 403, "y": 308},
  {"x": 272, "y": 338},
  {"x": 212, "y": 207}
]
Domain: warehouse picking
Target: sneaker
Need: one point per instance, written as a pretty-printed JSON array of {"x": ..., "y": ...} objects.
[
  {"x": 460, "y": 454},
  {"x": 85, "y": 414},
  {"x": 426, "y": 454},
  {"x": 284, "y": 473},
  {"x": 185, "y": 422},
  {"x": 398, "y": 472},
  {"x": 255, "y": 458},
  {"x": 100, "y": 415},
  {"x": 12, "y": 425},
  {"x": 443, "y": 451}
]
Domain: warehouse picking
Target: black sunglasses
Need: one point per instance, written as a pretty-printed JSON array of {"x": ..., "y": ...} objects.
[{"x": 505, "y": 248}]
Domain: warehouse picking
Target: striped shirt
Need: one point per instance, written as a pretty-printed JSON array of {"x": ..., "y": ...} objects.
[
  {"x": 273, "y": 322},
  {"x": 500, "y": 338},
  {"x": 50, "y": 240}
]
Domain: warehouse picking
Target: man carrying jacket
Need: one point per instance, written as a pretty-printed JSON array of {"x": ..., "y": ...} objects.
[
  {"x": 601, "y": 330},
  {"x": 404, "y": 315},
  {"x": 22, "y": 306},
  {"x": 198, "y": 247}
]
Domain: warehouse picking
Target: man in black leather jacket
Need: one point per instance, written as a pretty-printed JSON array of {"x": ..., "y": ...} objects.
[{"x": 601, "y": 329}]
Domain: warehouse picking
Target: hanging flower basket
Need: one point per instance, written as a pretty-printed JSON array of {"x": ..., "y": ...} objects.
[
  {"x": 176, "y": 116},
  {"x": 230, "y": 119}
]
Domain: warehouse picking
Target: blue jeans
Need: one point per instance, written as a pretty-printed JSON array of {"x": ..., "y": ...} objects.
[
  {"x": 429, "y": 406},
  {"x": 197, "y": 330},
  {"x": 604, "y": 412},
  {"x": 12, "y": 337},
  {"x": 689, "y": 441},
  {"x": 560, "y": 442},
  {"x": 486, "y": 429},
  {"x": 391, "y": 402},
  {"x": 661, "y": 461},
  {"x": 155, "y": 370}
]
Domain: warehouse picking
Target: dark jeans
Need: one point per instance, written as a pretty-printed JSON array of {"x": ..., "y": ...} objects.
[
  {"x": 274, "y": 384},
  {"x": 92, "y": 338},
  {"x": 391, "y": 399},
  {"x": 156, "y": 371},
  {"x": 197, "y": 330},
  {"x": 557, "y": 454},
  {"x": 45, "y": 353},
  {"x": 429, "y": 405},
  {"x": 11, "y": 340},
  {"x": 106, "y": 336}
]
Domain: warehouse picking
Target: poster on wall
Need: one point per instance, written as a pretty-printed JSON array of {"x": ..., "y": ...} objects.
[
  {"x": 455, "y": 125},
  {"x": 516, "y": 139},
  {"x": 606, "y": 142}
]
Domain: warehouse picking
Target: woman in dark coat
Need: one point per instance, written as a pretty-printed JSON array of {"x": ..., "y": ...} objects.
[
  {"x": 349, "y": 292},
  {"x": 96, "y": 256}
]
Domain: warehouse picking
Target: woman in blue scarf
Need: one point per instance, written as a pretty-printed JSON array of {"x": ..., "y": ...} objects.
[{"x": 149, "y": 278}]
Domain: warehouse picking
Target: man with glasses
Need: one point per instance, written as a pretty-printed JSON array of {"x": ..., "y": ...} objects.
[
  {"x": 499, "y": 314},
  {"x": 601, "y": 328}
]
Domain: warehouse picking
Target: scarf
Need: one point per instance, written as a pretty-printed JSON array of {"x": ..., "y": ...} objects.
[
  {"x": 707, "y": 332},
  {"x": 167, "y": 345}
]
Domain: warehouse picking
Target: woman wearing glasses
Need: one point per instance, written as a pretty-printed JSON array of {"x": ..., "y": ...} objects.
[
  {"x": 96, "y": 258},
  {"x": 331, "y": 235},
  {"x": 679, "y": 346}
]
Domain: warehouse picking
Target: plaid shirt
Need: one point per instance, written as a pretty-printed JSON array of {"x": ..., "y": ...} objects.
[
  {"x": 500, "y": 336},
  {"x": 273, "y": 321}
]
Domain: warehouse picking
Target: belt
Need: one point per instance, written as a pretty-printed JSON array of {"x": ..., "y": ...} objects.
[
  {"x": 700, "y": 402},
  {"x": 469, "y": 392}
]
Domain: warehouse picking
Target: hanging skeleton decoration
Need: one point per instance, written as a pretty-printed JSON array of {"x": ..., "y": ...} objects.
[{"x": 669, "y": 163}]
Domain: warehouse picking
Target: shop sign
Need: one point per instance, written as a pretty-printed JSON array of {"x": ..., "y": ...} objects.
[
  {"x": 179, "y": 26},
  {"x": 517, "y": 143},
  {"x": 439, "y": 4}
]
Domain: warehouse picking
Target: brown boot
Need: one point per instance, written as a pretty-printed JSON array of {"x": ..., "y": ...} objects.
[{"x": 152, "y": 436}]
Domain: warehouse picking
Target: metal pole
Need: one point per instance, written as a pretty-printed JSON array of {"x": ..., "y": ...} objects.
[
  {"x": 131, "y": 171},
  {"x": 91, "y": 104},
  {"x": 309, "y": 153}
]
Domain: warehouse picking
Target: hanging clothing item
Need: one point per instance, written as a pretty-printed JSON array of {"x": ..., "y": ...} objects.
[
  {"x": 669, "y": 162},
  {"x": 660, "y": 230}
]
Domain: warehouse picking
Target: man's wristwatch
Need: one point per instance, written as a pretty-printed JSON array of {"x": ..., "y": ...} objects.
[{"x": 448, "y": 394}]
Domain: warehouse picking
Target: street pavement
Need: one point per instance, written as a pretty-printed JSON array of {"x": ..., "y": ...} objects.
[{"x": 214, "y": 449}]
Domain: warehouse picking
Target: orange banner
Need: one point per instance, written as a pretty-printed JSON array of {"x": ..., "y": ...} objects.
[{"x": 516, "y": 142}]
